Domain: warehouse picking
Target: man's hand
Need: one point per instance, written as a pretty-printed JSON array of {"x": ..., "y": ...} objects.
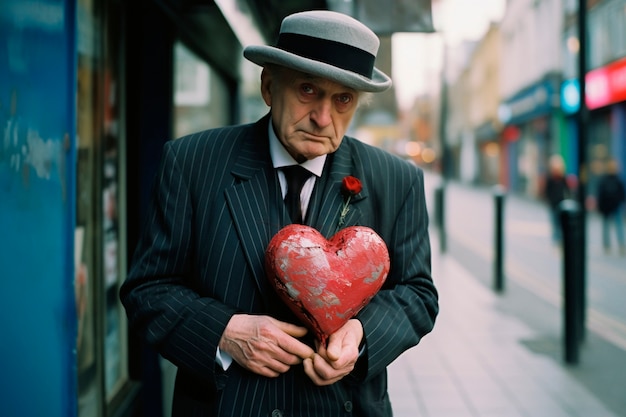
[
  {"x": 263, "y": 344},
  {"x": 332, "y": 363}
]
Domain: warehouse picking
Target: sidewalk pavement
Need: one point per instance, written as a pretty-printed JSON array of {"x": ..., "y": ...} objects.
[{"x": 473, "y": 364}]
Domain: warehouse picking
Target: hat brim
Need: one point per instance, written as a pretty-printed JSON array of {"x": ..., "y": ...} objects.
[{"x": 263, "y": 54}]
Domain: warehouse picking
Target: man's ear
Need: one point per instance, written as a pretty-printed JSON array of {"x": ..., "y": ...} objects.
[{"x": 266, "y": 83}]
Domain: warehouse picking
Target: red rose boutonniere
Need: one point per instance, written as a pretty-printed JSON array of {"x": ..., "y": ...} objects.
[{"x": 350, "y": 186}]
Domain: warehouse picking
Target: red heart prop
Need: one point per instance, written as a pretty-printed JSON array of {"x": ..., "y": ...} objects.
[{"x": 326, "y": 282}]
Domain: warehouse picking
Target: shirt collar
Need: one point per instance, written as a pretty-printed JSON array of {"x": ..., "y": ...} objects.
[{"x": 281, "y": 158}]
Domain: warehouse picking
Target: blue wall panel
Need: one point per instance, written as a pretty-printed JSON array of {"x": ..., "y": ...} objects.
[{"x": 37, "y": 200}]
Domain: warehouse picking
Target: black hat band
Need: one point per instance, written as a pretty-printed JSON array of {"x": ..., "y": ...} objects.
[{"x": 330, "y": 52}]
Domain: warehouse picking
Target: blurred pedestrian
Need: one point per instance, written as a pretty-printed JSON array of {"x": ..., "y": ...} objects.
[
  {"x": 610, "y": 196},
  {"x": 556, "y": 189}
]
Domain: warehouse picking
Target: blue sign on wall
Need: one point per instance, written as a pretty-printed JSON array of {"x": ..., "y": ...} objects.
[
  {"x": 37, "y": 93},
  {"x": 537, "y": 100},
  {"x": 570, "y": 96}
]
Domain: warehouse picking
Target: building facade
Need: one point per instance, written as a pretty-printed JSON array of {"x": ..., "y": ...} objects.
[
  {"x": 605, "y": 95},
  {"x": 531, "y": 66}
]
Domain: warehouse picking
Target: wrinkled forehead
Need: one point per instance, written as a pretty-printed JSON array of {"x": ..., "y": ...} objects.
[{"x": 294, "y": 76}]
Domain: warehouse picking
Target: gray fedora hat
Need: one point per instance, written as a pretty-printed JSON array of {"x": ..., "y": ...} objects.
[{"x": 328, "y": 44}]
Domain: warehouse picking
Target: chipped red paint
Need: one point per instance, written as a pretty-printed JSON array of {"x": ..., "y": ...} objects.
[{"x": 326, "y": 282}]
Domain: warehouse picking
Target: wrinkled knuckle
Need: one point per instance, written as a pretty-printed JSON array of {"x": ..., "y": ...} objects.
[
  {"x": 265, "y": 329},
  {"x": 324, "y": 374},
  {"x": 254, "y": 356}
]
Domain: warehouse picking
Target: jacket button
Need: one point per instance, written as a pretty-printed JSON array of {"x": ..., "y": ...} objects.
[
  {"x": 277, "y": 413},
  {"x": 348, "y": 406}
]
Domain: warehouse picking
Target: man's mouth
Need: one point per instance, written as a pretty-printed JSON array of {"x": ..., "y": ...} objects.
[{"x": 315, "y": 137}]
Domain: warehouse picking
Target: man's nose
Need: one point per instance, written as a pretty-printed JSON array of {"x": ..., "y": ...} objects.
[{"x": 321, "y": 113}]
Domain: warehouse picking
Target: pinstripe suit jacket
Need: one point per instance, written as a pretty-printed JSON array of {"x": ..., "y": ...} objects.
[{"x": 215, "y": 207}]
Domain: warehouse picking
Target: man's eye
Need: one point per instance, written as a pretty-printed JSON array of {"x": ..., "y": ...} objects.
[
  {"x": 344, "y": 99},
  {"x": 307, "y": 89}
]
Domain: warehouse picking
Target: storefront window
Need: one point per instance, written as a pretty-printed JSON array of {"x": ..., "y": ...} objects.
[
  {"x": 617, "y": 28},
  {"x": 201, "y": 96},
  {"x": 598, "y": 146},
  {"x": 607, "y": 27},
  {"x": 101, "y": 343},
  {"x": 86, "y": 229}
]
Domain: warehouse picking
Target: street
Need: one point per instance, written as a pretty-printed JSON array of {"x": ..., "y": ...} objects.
[
  {"x": 533, "y": 280},
  {"x": 531, "y": 260}
]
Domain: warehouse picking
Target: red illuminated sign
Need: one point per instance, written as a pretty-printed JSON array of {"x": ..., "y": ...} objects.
[{"x": 606, "y": 85}]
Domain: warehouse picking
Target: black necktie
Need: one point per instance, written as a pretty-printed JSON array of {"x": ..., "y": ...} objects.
[{"x": 296, "y": 177}]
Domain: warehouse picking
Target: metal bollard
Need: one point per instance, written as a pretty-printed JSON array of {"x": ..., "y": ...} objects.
[
  {"x": 440, "y": 216},
  {"x": 498, "y": 259},
  {"x": 571, "y": 225}
]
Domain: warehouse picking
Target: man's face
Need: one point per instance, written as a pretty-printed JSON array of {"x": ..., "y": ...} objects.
[{"x": 310, "y": 114}]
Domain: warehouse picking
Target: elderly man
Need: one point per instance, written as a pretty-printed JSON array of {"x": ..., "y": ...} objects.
[{"x": 197, "y": 289}]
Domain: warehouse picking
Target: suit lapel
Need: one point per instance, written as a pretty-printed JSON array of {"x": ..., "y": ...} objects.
[
  {"x": 327, "y": 200},
  {"x": 251, "y": 201}
]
